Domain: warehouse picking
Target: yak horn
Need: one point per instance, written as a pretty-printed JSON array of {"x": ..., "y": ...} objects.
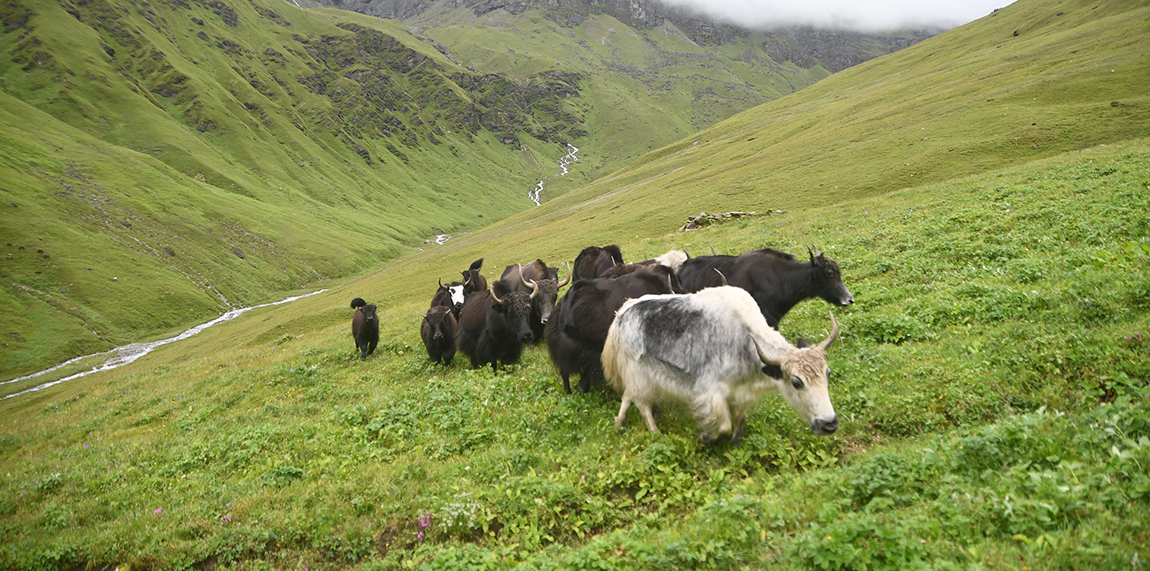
[
  {"x": 525, "y": 282},
  {"x": 834, "y": 333},
  {"x": 534, "y": 289},
  {"x": 763, "y": 356},
  {"x": 495, "y": 298},
  {"x": 568, "y": 280},
  {"x": 712, "y": 250},
  {"x": 721, "y": 276},
  {"x": 441, "y": 283}
]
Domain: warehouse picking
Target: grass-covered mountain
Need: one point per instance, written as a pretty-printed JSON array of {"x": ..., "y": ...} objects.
[
  {"x": 649, "y": 73},
  {"x": 992, "y": 377},
  {"x": 164, "y": 161}
]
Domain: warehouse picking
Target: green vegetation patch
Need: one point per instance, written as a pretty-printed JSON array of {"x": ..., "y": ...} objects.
[{"x": 991, "y": 379}]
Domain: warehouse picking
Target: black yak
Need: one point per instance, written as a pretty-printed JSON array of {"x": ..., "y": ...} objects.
[{"x": 364, "y": 327}]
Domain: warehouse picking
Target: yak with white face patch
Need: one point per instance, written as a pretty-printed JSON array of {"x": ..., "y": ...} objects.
[{"x": 710, "y": 350}]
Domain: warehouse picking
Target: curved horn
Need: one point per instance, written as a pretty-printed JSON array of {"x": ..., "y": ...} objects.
[
  {"x": 687, "y": 253},
  {"x": 534, "y": 289},
  {"x": 568, "y": 280},
  {"x": 440, "y": 283},
  {"x": 712, "y": 250},
  {"x": 523, "y": 281},
  {"x": 495, "y": 298},
  {"x": 721, "y": 276},
  {"x": 466, "y": 278},
  {"x": 763, "y": 356},
  {"x": 834, "y": 333},
  {"x": 811, "y": 254}
]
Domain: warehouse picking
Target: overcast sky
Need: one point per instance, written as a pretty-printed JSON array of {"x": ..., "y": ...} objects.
[{"x": 862, "y": 15}]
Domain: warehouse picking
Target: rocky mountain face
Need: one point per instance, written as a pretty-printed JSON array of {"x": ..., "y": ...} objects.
[{"x": 804, "y": 46}]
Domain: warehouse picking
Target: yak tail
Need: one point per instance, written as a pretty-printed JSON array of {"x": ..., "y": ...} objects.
[
  {"x": 614, "y": 354},
  {"x": 358, "y": 302},
  {"x": 476, "y": 264}
]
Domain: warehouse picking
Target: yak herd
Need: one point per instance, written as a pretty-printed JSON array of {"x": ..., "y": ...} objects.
[{"x": 701, "y": 331}]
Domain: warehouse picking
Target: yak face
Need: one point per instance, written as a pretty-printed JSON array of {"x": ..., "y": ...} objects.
[
  {"x": 546, "y": 295},
  {"x": 513, "y": 310},
  {"x": 368, "y": 314},
  {"x": 456, "y": 293},
  {"x": 805, "y": 387},
  {"x": 804, "y": 381},
  {"x": 827, "y": 279},
  {"x": 436, "y": 323}
]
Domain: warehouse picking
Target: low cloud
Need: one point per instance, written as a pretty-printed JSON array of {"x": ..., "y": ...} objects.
[{"x": 858, "y": 15}]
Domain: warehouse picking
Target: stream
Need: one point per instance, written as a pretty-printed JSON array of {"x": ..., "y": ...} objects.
[
  {"x": 125, "y": 354},
  {"x": 563, "y": 162}
]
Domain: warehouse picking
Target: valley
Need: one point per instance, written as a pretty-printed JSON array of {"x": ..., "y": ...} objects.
[{"x": 984, "y": 192}]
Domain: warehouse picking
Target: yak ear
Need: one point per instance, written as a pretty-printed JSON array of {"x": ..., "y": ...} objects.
[{"x": 803, "y": 343}]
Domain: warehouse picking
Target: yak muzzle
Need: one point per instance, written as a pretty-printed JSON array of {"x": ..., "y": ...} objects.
[{"x": 822, "y": 426}]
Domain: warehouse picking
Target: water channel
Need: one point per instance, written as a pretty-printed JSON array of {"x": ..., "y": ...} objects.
[{"x": 125, "y": 354}]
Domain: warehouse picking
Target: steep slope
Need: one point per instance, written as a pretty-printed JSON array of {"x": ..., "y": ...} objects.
[
  {"x": 992, "y": 376},
  {"x": 205, "y": 155},
  {"x": 1031, "y": 80},
  {"x": 649, "y": 73}
]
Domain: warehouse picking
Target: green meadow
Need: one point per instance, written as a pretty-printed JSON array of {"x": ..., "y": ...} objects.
[
  {"x": 986, "y": 195},
  {"x": 991, "y": 380}
]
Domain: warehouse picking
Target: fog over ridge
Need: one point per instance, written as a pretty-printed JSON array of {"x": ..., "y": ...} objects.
[{"x": 853, "y": 15}]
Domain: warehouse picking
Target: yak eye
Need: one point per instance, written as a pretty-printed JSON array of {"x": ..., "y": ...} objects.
[{"x": 796, "y": 382}]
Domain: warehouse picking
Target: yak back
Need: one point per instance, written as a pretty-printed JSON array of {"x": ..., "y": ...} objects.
[
  {"x": 775, "y": 279},
  {"x": 594, "y": 260},
  {"x": 591, "y": 304}
]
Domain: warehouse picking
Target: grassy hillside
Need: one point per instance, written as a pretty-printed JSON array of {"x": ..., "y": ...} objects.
[
  {"x": 975, "y": 98},
  {"x": 991, "y": 379},
  {"x": 641, "y": 88},
  {"x": 992, "y": 376},
  {"x": 165, "y": 162}
]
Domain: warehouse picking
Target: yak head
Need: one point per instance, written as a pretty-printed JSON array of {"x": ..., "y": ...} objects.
[
  {"x": 514, "y": 309},
  {"x": 473, "y": 281},
  {"x": 546, "y": 292},
  {"x": 827, "y": 279},
  {"x": 439, "y": 322},
  {"x": 804, "y": 382}
]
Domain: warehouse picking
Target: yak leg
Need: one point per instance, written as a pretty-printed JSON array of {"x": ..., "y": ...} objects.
[
  {"x": 645, "y": 410},
  {"x": 371, "y": 348},
  {"x": 566, "y": 382},
  {"x": 622, "y": 416},
  {"x": 740, "y": 421}
]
